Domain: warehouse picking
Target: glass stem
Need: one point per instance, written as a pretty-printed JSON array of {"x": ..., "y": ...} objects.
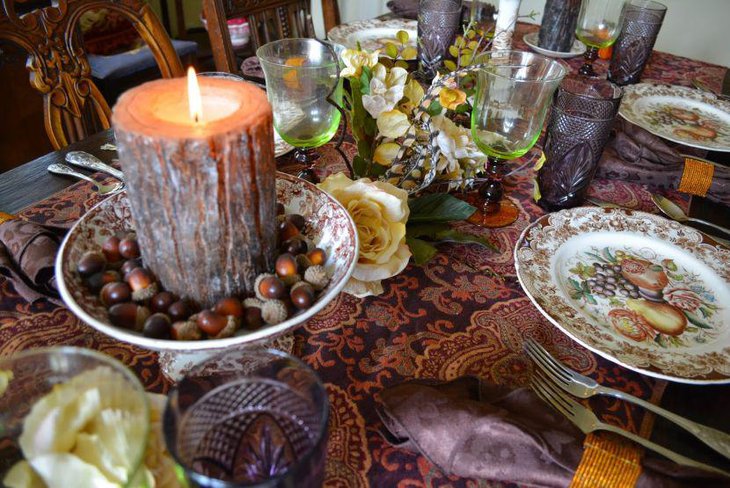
[
  {"x": 590, "y": 55},
  {"x": 491, "y": 190},
  {"x": 307, "y": 157}
]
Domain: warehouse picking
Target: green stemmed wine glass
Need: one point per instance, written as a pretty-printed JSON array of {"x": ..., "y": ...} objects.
[
  {"x": 599, "y": 24},
  {"x": 302, "y": 77},
  {"x": 513, "y": 93}
]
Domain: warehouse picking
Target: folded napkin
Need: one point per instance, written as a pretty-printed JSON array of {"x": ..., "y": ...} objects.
[
  {"x": 27, "y": 258},
  {"x": 478, "y": 430},
  {"x": 634, "y": 154}
]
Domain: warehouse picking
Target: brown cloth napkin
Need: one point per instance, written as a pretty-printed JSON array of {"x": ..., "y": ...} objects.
[
  {"x": 477, "y": 430},
  {"x": 27, "y": 258},
  {"x": 635, "y": 154}
]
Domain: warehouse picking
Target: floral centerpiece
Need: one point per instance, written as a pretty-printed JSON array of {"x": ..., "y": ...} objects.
[{"x": 404, "y": 134}]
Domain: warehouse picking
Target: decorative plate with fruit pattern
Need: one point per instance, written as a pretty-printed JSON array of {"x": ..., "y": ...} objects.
[
  {"x": 328, "y": 225},
  {"x": 643, "y": 291},
  {"x": 690, "y": 117}
]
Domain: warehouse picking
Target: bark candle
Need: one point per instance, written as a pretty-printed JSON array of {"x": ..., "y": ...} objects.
[{"x": 201, "y": 181}]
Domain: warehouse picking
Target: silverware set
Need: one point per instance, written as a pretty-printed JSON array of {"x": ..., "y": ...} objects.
[
  {"x": 558, "y": 386},
  {"x": 90, "y": 162}
]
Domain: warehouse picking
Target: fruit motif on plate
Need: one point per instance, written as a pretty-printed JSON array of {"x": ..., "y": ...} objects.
[
  {"x": 688, "y": 123},
  {"x": 643, "y": 297}
]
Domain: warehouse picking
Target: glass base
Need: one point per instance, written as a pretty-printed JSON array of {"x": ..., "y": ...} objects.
[{"x": 492, "y": 215}]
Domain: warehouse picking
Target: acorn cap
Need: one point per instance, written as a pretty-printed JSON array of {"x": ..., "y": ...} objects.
[
  {"x": 291, "y": 280},
  {"x": 144, "y": 294},
  {"x": 233, "y": 324},
  {"x": 253, "y": 303},
  {"x": 187, "y": 330},
  {"x": 317, "y": 277},
  {"x": 274, "y": 312},
  {"x": 303, "y": 262}
]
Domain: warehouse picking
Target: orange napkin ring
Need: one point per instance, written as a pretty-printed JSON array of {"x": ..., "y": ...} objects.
[
  {"x": 608, "y": 462},
  {"x": 4, "y": 217},
  {"x": 696, "y": 177}
]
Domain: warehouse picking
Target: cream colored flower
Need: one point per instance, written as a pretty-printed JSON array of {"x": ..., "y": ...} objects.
[
  {"x": 355, "y": 60},
  {"x": 455, "y": 143},
  {"x": 413, "y": 93},
  {"x": 380, "y": 212},
  {"x": 386, "y": 153},
  {"x": 386, "y": 90},
  {"x": 393, "y": 124}
]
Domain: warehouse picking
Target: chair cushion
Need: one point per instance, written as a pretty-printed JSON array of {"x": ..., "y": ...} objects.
[{"x": 130, "y": 62}]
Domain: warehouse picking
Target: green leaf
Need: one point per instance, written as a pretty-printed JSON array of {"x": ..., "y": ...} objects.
[
  {"x": 402, "y": 36},
  {"x": 450, "y": 65},
  {"x": 438, "y": 207},
  {"x": 391, "y": 50},
  {"x": 442, "y": 232},
  {"x": 422, "y": 250},
  {"x": 401, "y": 64},
  {"x": 576, "y": 285},
  {"x": 696, "y": 320},
  {"x": 454, "y": 51},
  {"x": 359, "y": 165},
  {"x": 670, "y": 264},
  {"x": 675, "y": 277},
  {"x": 590, "y": 299},
  {"x": 462, "y": 109},
  {"x": 435, "y": 108},
  {"x": 365, "y": 81}
]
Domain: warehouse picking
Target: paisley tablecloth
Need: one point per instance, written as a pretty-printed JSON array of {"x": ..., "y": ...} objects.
[{"x": 462, "y": 313}]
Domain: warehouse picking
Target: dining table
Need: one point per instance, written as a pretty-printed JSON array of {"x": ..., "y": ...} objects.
[{"x": 463, "y": 313}]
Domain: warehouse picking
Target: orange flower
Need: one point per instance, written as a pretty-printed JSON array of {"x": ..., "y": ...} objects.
[{"x": 450, "y": 98}]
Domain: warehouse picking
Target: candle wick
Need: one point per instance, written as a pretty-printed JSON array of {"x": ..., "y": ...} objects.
[{"x": 197, "y": 118}]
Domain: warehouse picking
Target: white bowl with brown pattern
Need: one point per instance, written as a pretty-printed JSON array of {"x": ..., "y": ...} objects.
[{"x": 329, "y": 226}]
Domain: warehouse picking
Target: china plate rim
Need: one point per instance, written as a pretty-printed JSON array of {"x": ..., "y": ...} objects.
[
  {"x": 630, "y": 97},
  {"x": 576, "y": 49},
  {"x": 651, "y": 370},
  {"x": 340, "y": 35},
  {"x": 264, "y": 333}
]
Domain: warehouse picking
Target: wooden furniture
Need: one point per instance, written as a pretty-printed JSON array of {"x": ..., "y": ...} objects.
[
  {"x": 73, "y": 106},
  {"x": 268, "y": 21}
]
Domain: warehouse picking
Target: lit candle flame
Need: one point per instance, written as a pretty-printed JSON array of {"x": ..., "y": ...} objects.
[{"x": 194, "y": 99}]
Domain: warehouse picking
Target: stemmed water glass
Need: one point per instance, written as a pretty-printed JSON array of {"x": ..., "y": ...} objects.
[
  {"x": 513, "y": 93},
  {"x": 599, "y": 23},
  {"x": 302, "y": 77}
]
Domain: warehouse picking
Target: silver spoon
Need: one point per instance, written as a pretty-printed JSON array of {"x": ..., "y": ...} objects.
[
  {"x": 702, "y": 86},
  {"x": 89, "y": 161},
  {"x": 673, "y": 211},
  {"x": 62, "y": 169}
]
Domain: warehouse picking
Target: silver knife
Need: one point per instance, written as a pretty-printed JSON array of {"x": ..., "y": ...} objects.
[{"x": 89, "y": 161}]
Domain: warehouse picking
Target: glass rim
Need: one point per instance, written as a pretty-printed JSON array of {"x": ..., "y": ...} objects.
[
  {"x": 457, "y": 9},
  {"x": 323, "y": 427},
  {"x": 560, "y": 75},
  {"x": 586, "y": 96},
  {"x": 646, "y": 5},
  {"x": 307, "y": 40}
]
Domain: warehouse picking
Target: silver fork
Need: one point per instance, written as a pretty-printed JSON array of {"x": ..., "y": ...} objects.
[
  {"x": 102, "y": 189},
  {"x": 584, "y": 387},
  {"x": 587, "y": 422}
]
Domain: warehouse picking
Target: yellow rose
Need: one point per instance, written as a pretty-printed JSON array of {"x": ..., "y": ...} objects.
[
  {"x": 451, "y": 98},
  {"x": 355, "y": 60},
  {"x": 380, "y": 212}
]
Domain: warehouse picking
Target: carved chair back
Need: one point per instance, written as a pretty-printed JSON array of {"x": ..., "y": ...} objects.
[
  {"x": 59, "y": 69},
  {"x": 268, "y": 20}
]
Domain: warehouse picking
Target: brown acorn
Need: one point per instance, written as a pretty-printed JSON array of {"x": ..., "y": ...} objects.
[
  {"x": 294, "y": 246},
  {"x": 96, "y": 281},
  {"x": 110, "y": 248},
  {"x": 287, "y": 230},
  {"x": 162, "y": 301},
  {"x": 229, "y": 306},
  {"x": 286, "y": 265},
  {"x": 297, "y": 220},
  {"x": 210, "y": 322},
  {"x": 271, "y": 288},
  {"x": 179, "y": 311},
  {"x": 113, "y": 293},
  {"x": 91, "y": 263},
  {"x": 128, "y": 315},
  {"x": 157, "y": 326},
  {"x": 317, "y": 256},
  {"x": 129, "y": 248},
  {"x": 280, "y": 210},
  {"x": 129, "y": 265},
  {"x": 302, "y": 295},
  {"x": 142, "y": 283}
]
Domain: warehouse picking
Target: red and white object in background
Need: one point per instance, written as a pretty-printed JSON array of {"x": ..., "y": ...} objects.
[{"x": 238, "y": 29}]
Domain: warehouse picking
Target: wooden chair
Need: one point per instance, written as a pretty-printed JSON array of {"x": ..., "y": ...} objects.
[
  {"x": 74, "y": 108},
  {"x": 268, "y": 21}
]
